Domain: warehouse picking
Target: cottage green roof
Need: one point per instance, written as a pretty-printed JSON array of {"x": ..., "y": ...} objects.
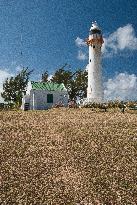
[{"x": 48, "y": 86}]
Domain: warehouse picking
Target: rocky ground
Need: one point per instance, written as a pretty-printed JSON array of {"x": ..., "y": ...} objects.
[{"x": 68, "y": 157}]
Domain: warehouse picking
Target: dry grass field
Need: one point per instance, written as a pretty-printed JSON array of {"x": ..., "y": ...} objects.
[{"x": 68, "y": 157}]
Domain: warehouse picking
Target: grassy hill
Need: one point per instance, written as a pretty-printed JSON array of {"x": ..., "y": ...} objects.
[{"x": 68, "y": 157}]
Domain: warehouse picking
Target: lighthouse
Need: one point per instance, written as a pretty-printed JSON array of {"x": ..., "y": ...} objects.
[{"x": 95, "y": 87}]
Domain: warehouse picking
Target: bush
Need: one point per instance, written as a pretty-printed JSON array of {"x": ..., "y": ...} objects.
[
  {"x": 72, "y": 104},
  {"x": 57, "y": 105}
]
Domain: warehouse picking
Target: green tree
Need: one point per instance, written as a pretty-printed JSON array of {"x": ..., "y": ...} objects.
[
  {"x": 45, "y": 76},
  {"x": 64, "y": 76},
  {"x": 75, "y": 82},
  {"x": 14, "y": 87},
  {"x": 81, "y": 83}
]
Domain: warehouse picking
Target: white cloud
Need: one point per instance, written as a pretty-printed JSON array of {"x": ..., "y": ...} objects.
[
  {"x": 123, "y": 38},
  {"x": 50, "y": 77},
  {"x": 3, "y": 75},
  {"x": 87, "y": 66},
  {"x": 82, "y": 55},
  {"x": 80, "y": 42},
  {"x": 122, "y": 87}
]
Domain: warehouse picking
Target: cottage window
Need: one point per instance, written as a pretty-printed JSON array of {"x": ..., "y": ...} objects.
[{"x": 49, "y": 98}]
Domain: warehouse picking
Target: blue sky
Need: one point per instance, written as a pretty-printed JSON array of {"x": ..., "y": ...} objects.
[{"x": 45, "y": 31}]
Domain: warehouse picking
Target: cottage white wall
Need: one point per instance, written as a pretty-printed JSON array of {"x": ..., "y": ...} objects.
[
  {"x": 28, "y": 88},
  {"x": 25, "y": 99},
  {"x": 38, "y": 99}
]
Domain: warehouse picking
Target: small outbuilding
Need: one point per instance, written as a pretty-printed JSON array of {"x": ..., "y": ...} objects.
[{"x": 44, "y": 95}]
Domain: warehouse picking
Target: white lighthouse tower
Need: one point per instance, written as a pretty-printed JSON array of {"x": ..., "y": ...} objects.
[{"x": 95, "y": 87}]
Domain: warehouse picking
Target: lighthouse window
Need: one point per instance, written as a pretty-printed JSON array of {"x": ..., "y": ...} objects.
[
  {"x": 93, "y": 46},
  {"x": 96, "y": 31},
  {"x": 90, "y": 60}
]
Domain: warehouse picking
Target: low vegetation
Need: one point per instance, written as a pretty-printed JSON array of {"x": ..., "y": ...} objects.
[{"x": 68, "y": 157}]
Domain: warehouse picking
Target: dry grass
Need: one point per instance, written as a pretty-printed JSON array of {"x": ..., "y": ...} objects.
[{"x": 68, "y": 157}]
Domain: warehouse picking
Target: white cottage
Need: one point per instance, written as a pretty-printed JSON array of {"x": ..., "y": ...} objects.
[{"x": 44, "y": 95}]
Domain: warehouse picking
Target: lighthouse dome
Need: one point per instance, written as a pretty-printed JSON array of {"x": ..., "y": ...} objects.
[{"x": 95, "y": 28}]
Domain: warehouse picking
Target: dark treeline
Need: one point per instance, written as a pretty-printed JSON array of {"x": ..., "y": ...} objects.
[{"x": 75, "y": 82}]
